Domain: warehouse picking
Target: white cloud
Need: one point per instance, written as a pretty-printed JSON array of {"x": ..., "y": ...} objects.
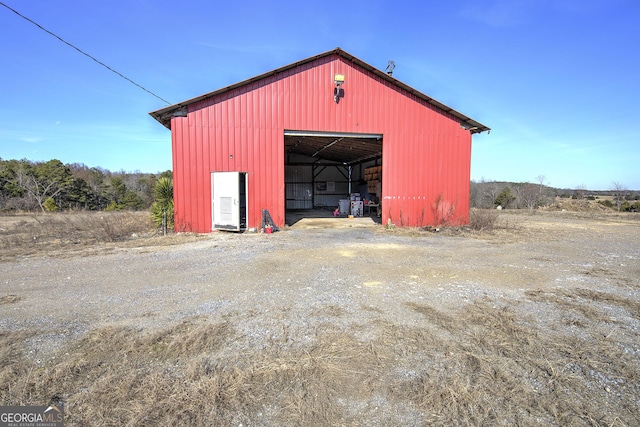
[{"x": 31, "y": 139}]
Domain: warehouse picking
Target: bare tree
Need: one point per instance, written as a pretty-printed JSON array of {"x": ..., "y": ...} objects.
[
  {"x": 475, "y": 194},
  {"x": 490, "y": 193},
  {"x": 483, "y": 193},
  {"x": 528, "y": 195},
  {"x": 44, "y": 180},
  {"x": 541, "y": 179},
  {"x": 580, "y": 192},
  {"x": 619, "y": 192}
]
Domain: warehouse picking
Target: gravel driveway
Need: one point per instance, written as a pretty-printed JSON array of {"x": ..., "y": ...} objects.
[{"x": 309, "y": 266}]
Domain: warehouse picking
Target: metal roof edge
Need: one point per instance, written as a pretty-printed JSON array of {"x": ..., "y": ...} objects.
[{"x": 164, "y": 115}]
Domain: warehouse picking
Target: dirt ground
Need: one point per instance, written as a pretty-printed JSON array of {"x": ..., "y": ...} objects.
[{"x": 334, "y": 322}]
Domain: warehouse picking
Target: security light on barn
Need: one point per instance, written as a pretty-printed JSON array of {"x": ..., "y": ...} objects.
[{"x": 338, "y": 79}]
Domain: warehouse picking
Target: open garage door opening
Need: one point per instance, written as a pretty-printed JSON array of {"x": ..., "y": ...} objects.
[{"x": 326, "y": 171}]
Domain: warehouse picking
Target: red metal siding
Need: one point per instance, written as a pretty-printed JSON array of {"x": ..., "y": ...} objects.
[{"x": 426, "y": 154}]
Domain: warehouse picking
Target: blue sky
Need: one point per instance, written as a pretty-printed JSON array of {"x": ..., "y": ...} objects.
[{"x": 558, "y": 81}]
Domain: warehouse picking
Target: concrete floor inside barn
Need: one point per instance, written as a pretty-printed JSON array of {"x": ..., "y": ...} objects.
[{"x": 324, "y": 218}]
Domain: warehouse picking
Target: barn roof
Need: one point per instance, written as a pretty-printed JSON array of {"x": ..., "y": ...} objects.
[{"x": 164, "y": 115}]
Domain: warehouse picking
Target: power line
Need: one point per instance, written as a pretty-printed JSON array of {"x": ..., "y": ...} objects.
[{"x": 84, "y": 53}]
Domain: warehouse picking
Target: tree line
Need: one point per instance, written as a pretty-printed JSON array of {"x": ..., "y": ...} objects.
[
  {"x": 527, "y": 195},
  {"x": 52, "y": 185},
  {"x": 49, "y": 186}
]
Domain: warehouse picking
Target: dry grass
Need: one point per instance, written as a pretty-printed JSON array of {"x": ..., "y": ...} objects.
[
  {"x": 183, "y": 376},
  {"x": 483, "y": 219},
  {"x": 513, "y": 225},
  {"x": 481, "y": 365},
  {"x": 65, "y": 232},
  {"x": 488, "y": 224},
  {"x": 515, "y": 374}
]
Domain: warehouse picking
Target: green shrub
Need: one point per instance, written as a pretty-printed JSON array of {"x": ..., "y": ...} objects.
[
  {"x": 113, "y": 206},
  {"x": 157, "y": 214},
  {"x": 132, "y": 201},
  {"x": 505, "y": 198},
  {"x": 162, "y": 207},
  {"x": 630, "y": 207},
  {"x": 49, "y": 205}
]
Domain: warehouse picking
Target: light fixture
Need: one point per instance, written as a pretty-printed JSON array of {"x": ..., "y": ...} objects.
[{"x": 338, "y": 92}]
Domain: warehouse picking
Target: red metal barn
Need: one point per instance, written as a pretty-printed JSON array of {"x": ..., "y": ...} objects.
[{"x": 309, "y": 134}]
